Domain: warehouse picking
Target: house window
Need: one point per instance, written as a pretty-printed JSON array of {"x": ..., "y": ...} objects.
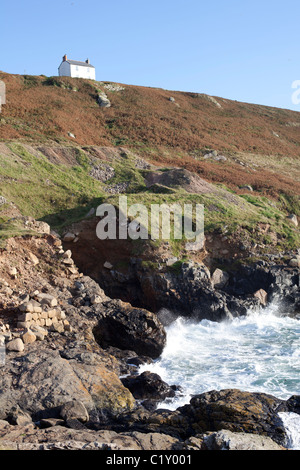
[{"x": 76, "y": 68}]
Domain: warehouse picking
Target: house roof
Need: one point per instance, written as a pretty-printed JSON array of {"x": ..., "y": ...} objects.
[{"x": 77, "y": 62}]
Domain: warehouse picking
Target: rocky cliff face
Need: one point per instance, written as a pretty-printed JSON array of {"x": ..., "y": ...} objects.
[
  {"x": 64, "y": 384},
  {"x": 160, "y": 282}
]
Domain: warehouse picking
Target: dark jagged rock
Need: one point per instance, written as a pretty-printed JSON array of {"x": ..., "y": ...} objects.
[
  {"x": 233, "y": 410},
  {"x": 189, "y": 289},
  {"x": 148, "y": 386},
  {"x": 126, "y": 327},
  {"x": 190, "y": 293},
  {"x": 236, "y": 411},
  {"x": 292, "y": 405}
]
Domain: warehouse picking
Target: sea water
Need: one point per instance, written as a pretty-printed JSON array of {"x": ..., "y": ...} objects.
[{"x": 259, "y": 352}]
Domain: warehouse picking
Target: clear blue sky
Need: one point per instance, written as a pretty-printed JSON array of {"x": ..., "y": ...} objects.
[{"x": 238, "y": 49}]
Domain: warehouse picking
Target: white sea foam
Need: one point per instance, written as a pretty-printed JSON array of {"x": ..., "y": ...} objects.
[
  {"x": 255, "y": 353},
  {"x": 291, "y": 423}
]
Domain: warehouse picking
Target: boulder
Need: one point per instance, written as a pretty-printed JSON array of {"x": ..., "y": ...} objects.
[
  {"x": 295, "y": 262},
  {"x": 67, "y": 254},
  {"x": 15, "y": 345},
  {"x": 34, "y": 259},
  {"x": 148, "y": 386},
  {"x": 19, "y": 418},
  {"x": 28, "y": 337},
  {"x": 262, "y": 296},
  {"x": 47, "y": 299},
  {"x": 127, "y": 327},
  {"x": 293, "y": 404},
  {"x": 13, "y": 272},
  {"x": 39, "y": 332},
  {"x": 103, "y": 101},
  {"x": 236, "y": 411},
  {"x": 46, "y": 381},
  {"x": 219, "y": 278},
  {"x": 227, "y": 440},
  {"x": 25, "y": 317},
  {"x": 194, "y": 246},
  {"x": 107, "y": 265},
  {"x": 69, "y": 237},
  {"x": 42, "y": 227},
  {"x": 36, "y": 225},
  {"x": 30, "y": 307},
  {"x": 171, "y": 261},
  {"x": 86, "y": 289},
  {"x": 232, "y": 410},
  {"x": 74, "y": 410},
  {"x": 293, "y": 218},
  {"x": 95, "y": 299},
  {"x": 68, "y": 261}
]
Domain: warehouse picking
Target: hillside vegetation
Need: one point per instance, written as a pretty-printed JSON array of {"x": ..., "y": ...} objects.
[{"x": 62, "y": 153}]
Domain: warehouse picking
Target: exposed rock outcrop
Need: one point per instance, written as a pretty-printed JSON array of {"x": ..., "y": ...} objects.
[
  {"x": 46, "y": 381},
  {"x": 126, "y": 327},
  {"x": 59, "y": 437},
  {"x": 149, "y": 388},
  {"x": 233, "y": 410},
  {"x": 71, "y": 380},
  {"x": 227, "y": 440}
]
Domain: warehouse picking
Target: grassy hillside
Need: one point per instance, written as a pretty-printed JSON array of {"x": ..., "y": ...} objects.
[{"x": 62, "y": 154}]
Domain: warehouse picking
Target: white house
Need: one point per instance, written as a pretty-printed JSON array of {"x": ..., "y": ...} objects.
[{"x": 76, "y": 69}]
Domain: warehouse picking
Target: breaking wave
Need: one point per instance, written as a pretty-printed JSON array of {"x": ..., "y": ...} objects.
[{"x": 256, "y": 353}]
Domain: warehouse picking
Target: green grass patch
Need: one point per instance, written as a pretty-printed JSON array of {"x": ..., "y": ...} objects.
[
  {"x": 290, "y": 203},
  {"x": 224, "y": 216},
  {"x": 13, "y": 228},
  {"x": 62, "y": 195},
  {"x": 47, "y": 191},
  {"x": 126, "y": 172}
]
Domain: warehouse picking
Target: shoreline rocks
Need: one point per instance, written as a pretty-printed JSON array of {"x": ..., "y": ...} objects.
[
  {"x": 149, "y": 388},
  {"x": 126, "y": 327},
  {"x": 192, "y": 292},
  {"x": 47, "y": 381},
  {"x": 227, "y": 440},
  {"x": 232, "y": 410},
  {"x": 59, "y": 437},
  {"x": 72, "y": 382}
]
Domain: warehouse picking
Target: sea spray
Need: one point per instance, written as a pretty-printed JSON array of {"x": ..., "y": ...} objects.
[
  {"x": 259, "y": 352},
  {"x": 291, "y": 422}
]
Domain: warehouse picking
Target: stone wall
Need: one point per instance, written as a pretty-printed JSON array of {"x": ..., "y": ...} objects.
[{"x": 38, "y": 314}]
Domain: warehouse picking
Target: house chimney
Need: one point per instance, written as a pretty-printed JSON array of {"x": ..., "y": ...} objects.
[
  {"x": 65, "y": 57},
  {"x": 87, "y": 61}
]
